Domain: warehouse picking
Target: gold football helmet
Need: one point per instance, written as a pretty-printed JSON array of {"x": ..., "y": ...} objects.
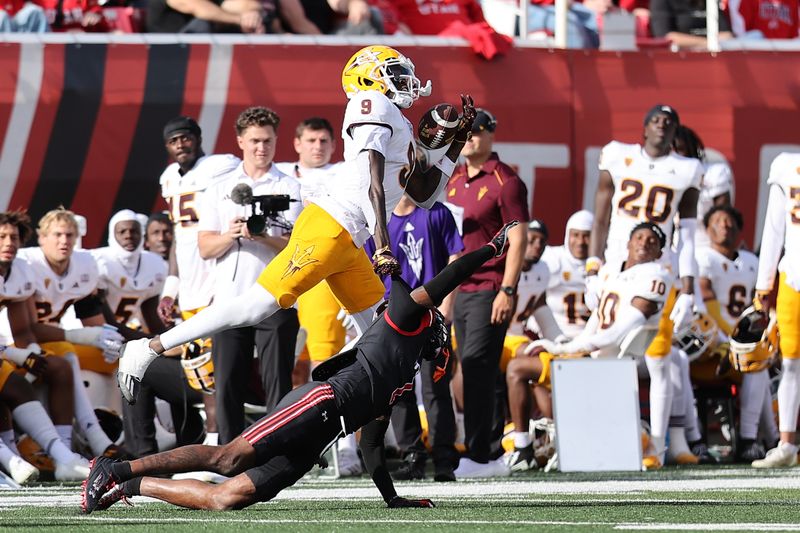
[
  {"x": 754, "y": 341},
  {"x": 384, "y": 69},
  {"x": 698, "y": 337},
  {"x": 198, "y": 367}
]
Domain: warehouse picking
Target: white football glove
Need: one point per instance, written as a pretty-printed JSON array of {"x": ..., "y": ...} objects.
[
  {"x": 17, "y": 355},
  {"x": 105, "y": 337},
  {"x": 683, "y": 311},
  {"x": 347, "y": 320},
  {"x": 592, "y": 295}
]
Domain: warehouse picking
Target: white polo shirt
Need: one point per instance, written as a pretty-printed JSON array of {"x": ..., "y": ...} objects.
[{"x": 238, "y": 268}]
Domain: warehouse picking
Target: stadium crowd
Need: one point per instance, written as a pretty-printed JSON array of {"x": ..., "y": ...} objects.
[
  {"x": 487, "y": 24},
  {"x": 255, "y": 279}
]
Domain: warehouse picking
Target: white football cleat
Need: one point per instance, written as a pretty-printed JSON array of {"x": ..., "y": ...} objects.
[
  {"x": 136, "y": 357},
  {"x": 349, "y": 463},
  {"x": 467, "y": 468},
  {"x": 22, "y": 471},
  {"x": 783, "y": 455},
  {"x": 75, "y": 470}
]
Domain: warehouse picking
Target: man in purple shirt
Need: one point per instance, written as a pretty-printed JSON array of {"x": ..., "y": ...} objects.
[
  {"x": 491, "y": 193},
  {"x": 424, "y": 242}
]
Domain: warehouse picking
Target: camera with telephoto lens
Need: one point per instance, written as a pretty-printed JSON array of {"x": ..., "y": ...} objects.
[{"x": 266, "y": 209}]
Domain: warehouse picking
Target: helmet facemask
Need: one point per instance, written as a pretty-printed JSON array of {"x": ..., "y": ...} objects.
[{"x": 403, "y": 86}]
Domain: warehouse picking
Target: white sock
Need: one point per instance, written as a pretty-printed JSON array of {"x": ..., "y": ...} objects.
[
  {"x": 660, "y": 398},
  {"x": 250, "y": 307},
  {"x": 363, "y": 319},
  {"x": 767, "y": 421},
  {"x": 33, "y": 420},
  {"x": 789, "y": 395},
  {"x": 5, "y": 456},
  {"x": 522, "y": 439},
  {"x": 9, "y": 440},
  {"x": 678, "y": 408},
  {"x": 84, "y": 411},
  {"x": 751, "y": 400},
  {"x": 65, "y": 434},
  {"x": 692, "y": 424},
  {"x": 348, "y": 443},
  {"x": 677, "y": 442}
]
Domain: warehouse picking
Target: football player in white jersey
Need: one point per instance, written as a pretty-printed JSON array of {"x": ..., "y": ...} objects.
[
  {"x": 650, "y": 183},
  {"x": 532, "y": 314},
  {"x": 379, "y": 166},
  {"x": 567, "y": 264},
  {"x": 130, "y": 281},
  {"x": 727, "y": 283},
  {"x": 717, "y": 186},
  {"x": 782, "y": 230},
  {"x": 183, "y": 183},
  {"x": 17, "y": 397},
  {"x": 318, "y": 309},
  {"x": 64, "y": 277},
  {"x": 632, "y": 299}
]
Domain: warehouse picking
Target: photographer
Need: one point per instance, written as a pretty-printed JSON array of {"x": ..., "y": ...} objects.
[{"x": 241, "y": 254}]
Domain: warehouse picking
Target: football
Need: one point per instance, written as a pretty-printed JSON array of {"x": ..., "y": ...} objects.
[{"x": 437, "y": 127}]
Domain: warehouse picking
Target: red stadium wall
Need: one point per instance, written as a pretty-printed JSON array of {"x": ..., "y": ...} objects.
[{"x": 81, "y": 123}]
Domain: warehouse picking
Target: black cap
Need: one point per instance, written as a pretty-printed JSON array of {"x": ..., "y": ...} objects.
[
  {"x": 655, "y": 228},
  {"x": 181, "y": 125},
  {"x": 538, "y": 225},
  {"x": 662, "y": 109},
  {"x": 483, "y": 121}
]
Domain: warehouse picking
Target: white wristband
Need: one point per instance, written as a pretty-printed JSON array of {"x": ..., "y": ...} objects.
[
  {"x": 446, "y": 166},
  {"x": 171, "y": 285}
]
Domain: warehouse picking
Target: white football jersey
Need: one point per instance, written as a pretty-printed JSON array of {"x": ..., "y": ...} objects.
[
  {"x": 183, "y": 194},
  {"x": 716, "y": 181},
  {"x": 54, "y": 294},
  {"x": 531, "y": 285},
  {"x": 125, "y": 290},
  {"x": 650, "y": 281},
  {"x": 645, "y": 190},
  {"x": 348, "y": 202},
  {"x": 565, "y": 293},
  {"x": 313, "y": 181},
  {"x": 18, "y": 286},
  {"x": 734, "y": 282},
  {"x": 785, "y": 174}
]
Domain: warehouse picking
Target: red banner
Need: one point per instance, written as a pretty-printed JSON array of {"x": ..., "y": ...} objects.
[{"x": 80, "y": 125}]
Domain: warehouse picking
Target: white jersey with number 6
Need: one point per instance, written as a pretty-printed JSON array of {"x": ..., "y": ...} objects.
[
  {"x": 371, "y": 122},
  {"x": 183, "y": 193},
  {"x": 125, "y": 290},
  {"x": 646, "y": 189},
  {"x": 733, "y": 282},
  {"x": 650, "y": 281}
]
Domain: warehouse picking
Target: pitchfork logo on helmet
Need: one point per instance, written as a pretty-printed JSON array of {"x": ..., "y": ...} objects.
[
  {"x": 198, "y": 367},
  {"x": 698, "y": 337},
  {"x": 384, "y": 69},
  {"x": 754, "y": 341}
]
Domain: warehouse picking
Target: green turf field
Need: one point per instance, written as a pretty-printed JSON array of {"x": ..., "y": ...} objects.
[{"x": 687, "y": 499}]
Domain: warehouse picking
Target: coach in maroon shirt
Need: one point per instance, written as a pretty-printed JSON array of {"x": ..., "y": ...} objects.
[{"x": 491, "y": 194}]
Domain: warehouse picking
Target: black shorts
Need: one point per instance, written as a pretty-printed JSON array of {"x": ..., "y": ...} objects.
[{"x": 289, "y": 440}]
